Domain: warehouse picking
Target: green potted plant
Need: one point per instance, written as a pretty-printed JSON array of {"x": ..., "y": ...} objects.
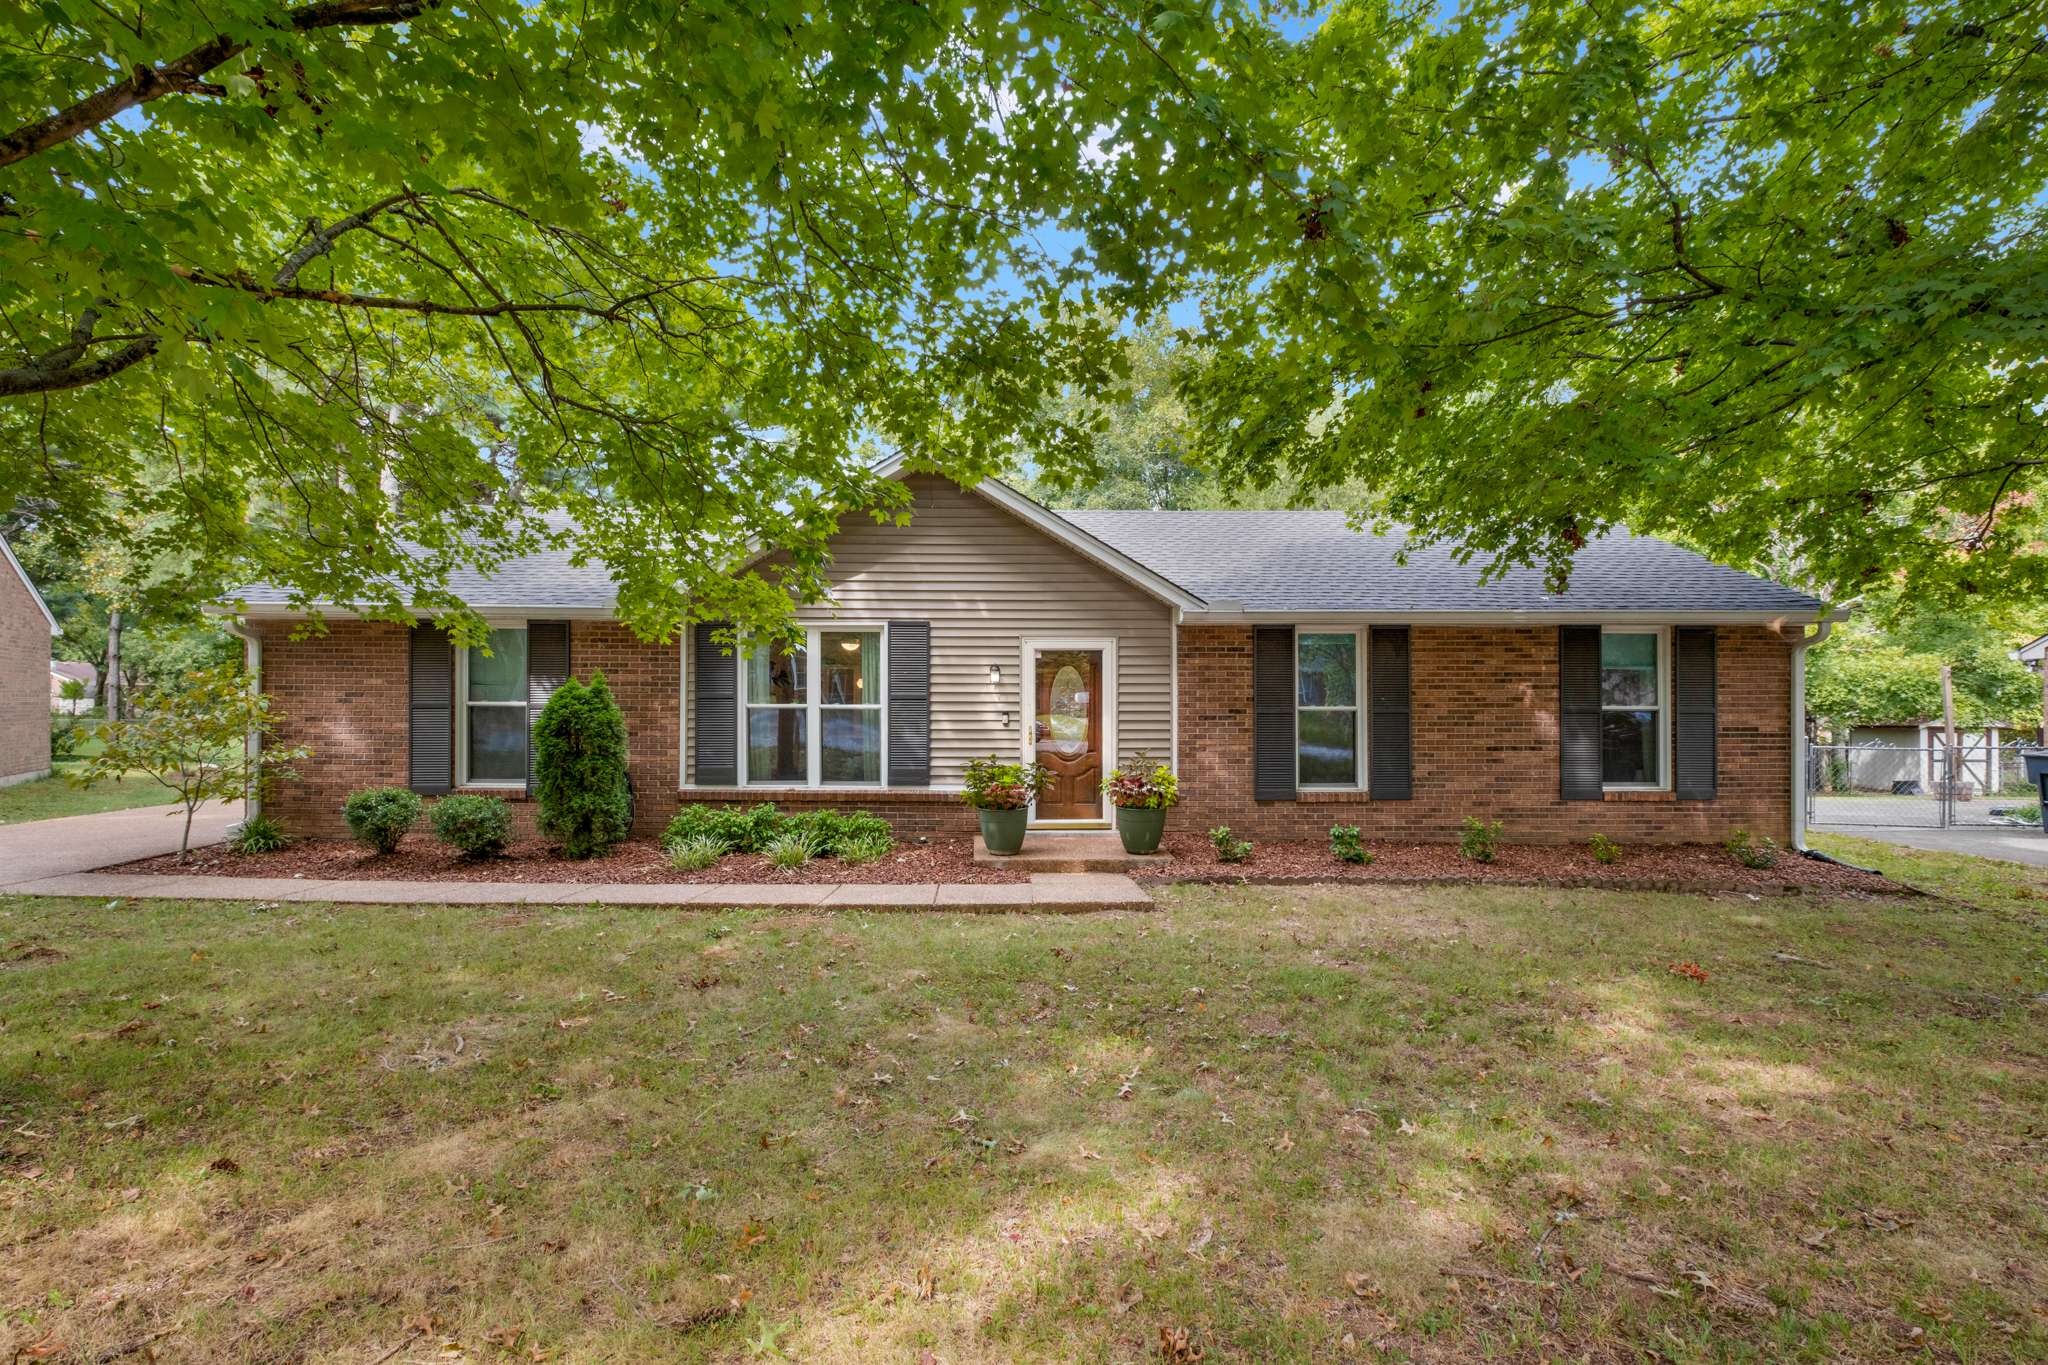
[
  {"x": 1001, "y": 794},
  {"x": 1141, "y": 793}
]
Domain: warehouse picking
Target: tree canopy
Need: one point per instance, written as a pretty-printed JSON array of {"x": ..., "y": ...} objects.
[
  {"x": 1883, "y": 667},
  {"x": 1769, "y": 278},
  {"x": 343, "y": 293}
]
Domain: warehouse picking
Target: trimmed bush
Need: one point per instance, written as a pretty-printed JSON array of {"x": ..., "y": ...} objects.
[
  {"x": 1229, "y": 848},
  {"x": 474, "y": 826},
  {"x": 1347, "y": 847},
  {"x": 1480, "y": 839},
  {"x": 259, "y": 834},
  {"x": 380, "y": 816},
  {"x": 833, "y": 830},
  {"x": 695, "y": 853},
  {"x": 579, "y": 769},
  {"x": 734, "y": 829}
]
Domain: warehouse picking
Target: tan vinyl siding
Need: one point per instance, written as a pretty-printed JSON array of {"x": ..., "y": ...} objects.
[{"x": 986, "y": 580}]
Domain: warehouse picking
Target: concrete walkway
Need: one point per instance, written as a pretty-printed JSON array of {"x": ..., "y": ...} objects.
[
  {"x": 36, "y": 849},
  {"x": 1045, "y": 893},
  {"x": 2003, "y": 842}
]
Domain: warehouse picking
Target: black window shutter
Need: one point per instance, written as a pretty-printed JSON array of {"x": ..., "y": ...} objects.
[
  {"x": 1390, "y": 764},
  {"x": 1578, "y": 713},
  {"x": 718, "y": 745},
  {"x": 547, "y": 668},
  {"x": 1693, "y": 681},
  {"x": 1273, "y": 768},
  {"x": 430, "y": 753},
  {"x": 910, "y": 704}
]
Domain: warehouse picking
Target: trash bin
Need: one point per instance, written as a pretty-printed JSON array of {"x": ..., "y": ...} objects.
[{"x": 2036, "y": 759}]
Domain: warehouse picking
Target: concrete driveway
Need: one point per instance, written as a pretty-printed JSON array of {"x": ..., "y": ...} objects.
[
  {"x": 83, "y": 843},
  {"x": 1984, "y": 841}
]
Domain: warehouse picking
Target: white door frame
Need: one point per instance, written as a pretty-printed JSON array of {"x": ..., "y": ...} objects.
[{"x": 1027, "y": 710}]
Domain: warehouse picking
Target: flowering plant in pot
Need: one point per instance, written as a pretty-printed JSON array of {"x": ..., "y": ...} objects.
[
  {"x": 1142, "y": 793},
  {"x": 1001, "y": 794}
]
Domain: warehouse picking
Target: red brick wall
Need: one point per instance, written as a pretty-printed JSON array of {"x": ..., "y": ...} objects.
[
  {"x": 24, "y": 681},
  {"x": 1485, "y": 744},
  {"x": 344, "y": 695}
]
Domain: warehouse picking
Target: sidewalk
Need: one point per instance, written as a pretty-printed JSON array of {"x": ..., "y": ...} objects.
[{"x": 1045, "y": 893}]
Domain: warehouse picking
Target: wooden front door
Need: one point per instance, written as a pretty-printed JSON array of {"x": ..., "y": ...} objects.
[{"x": 1068, "y": 720}]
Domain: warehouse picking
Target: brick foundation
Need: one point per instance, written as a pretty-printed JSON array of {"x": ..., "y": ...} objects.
[{"x": 1485, "y": 744}]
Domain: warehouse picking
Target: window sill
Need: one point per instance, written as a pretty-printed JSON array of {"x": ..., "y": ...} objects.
[
  {"x": 1651, "y": 794},
  {"x": 1330, "y": 796},
  {"x": 507, "y": 792}
]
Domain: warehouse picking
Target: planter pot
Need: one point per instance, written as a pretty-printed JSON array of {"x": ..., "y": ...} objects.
[
  {"x": 1003, "y": 830},
  {"x": 1140, "y": 827}
]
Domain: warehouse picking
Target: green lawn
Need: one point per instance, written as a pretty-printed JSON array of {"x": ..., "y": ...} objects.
[
  {"x": 48, "y": 797},
  {"x": 1440, "y": 1124},
  {"x": 1986, "y": 882}
]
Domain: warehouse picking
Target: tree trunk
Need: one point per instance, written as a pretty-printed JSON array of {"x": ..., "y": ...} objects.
[
  {"x": 113, "y": 678},
  {"x": 185, "y": 843}
]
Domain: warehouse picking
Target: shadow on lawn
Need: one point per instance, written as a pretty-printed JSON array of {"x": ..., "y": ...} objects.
[{"x": 1441, "y": 1123}]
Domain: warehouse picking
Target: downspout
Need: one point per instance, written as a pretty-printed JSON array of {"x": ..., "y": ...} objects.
[
  {"x": 252, "y": 742},
  {"x": 1800, "y": 644}
]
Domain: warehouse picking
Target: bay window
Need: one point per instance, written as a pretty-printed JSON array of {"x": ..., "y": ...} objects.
[
  {"x": 1326, "y": 711},
  {"x": 493, "y": 714},
  {"x": 814, "y": 716},
  {"x": 1634, "y": 679}
]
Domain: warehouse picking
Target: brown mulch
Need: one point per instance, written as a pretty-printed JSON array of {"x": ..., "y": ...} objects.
[
  {"x": 422, "y": 858},
  {"x": 1649, "y": 867}
]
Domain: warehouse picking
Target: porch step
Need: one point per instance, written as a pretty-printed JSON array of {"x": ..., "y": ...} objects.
[{"x": 1063, "y": 852}]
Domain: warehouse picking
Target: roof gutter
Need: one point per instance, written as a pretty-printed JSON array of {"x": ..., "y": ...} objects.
[{"x": 1225, "y": 613}]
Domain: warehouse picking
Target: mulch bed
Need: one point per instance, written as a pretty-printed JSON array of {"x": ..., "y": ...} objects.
[
  {"x": 422, "y": 858},
  {"x": 1649, "y": 867}
]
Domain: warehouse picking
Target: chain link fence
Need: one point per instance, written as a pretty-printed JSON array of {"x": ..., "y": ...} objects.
[{"x": 1877, "y": 785}]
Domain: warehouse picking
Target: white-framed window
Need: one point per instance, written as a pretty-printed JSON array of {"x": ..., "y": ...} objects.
[
  {"x": 816, "y": 716},
  {"x": 1329, "y": 686},
  {"x": 491, "y": 715},
  {"x": 1635, "y": 691}
]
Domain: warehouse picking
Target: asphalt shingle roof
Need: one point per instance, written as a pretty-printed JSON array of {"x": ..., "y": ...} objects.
[
  {"x": 1313, "y": 561},
  {"x": 1273, "y": 562}
]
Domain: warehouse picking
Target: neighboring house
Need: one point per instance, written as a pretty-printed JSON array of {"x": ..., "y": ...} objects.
[
  {"x": 65, "y": 670},
  {"x": 1907, "y": 754},
  {"x": 1296, "y": 674},
  {"x": 25, "y": 630}
]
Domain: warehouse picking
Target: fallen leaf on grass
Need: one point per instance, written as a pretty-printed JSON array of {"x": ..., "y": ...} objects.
[
  {"x": 1176, "y": 1347},
  {"x": 1202, "y": 1238},
  {"x": 578, "y": 1022},
  {"x": 927, "y": 1285},
  {"x": 1285, "y": 1144},
  {"x": 1691, "y": 971},
  {"x": 1127, "y": 1298}
]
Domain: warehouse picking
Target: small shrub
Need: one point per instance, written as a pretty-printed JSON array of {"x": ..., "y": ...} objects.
[
  {"x": 833, "y": 830},
  {"x": 1480, "y": 839},
  {"x": 865, "y": 848},
  {"x": 380, "y": 816},
  {"x": 793, "y": 848},
  {"x": 1144, "y": 785},
  {"x": 1229, "y": 848},
  {"x": 695, "y": 853},
  {"x": 736, "y": 829},
  {"x": 579, "y": 768},
  {"x": 258, "y": 834},
  {"x": 1347, "y": 847},
  {"x": 474, "y": 826},
  {"x": 1752, "y": 852},
  {"x": 1605, "y": 850}
]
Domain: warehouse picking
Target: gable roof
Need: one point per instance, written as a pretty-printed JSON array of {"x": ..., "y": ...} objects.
[
  {"x": 72, "y": 670},
  {"x": 1273, "y": 564},
  {"x": 1307, "y": 563},
  {"x": 7, "y": 553}
]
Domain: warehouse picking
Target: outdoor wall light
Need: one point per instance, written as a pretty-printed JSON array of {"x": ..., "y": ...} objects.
[{"x": 995, "y": 675}]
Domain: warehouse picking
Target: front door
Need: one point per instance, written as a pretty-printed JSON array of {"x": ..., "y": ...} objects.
[{"x": 1068, "y": 683}]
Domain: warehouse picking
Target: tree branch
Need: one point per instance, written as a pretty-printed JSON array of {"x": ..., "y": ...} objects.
[{"x": 183, "y": 74}]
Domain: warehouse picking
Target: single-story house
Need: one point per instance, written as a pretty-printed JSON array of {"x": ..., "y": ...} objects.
[
  {"x": 26, "y": 627},
  {"x": 64, "y": 671},
  {"x": 1296, "y": 673}
]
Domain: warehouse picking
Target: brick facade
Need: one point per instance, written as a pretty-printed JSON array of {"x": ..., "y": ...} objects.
[
  {"x": 24, "y": 681},
  {"x": 1485, "y": 744},
  {"x": 1485, "y": 739}
]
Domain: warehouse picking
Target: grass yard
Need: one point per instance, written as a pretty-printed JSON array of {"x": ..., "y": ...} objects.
[
  {"x": 1390, "y": 1123},
  {"x": 46, "y": 798}
]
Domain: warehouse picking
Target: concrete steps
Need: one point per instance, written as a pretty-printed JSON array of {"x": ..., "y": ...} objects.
[{"x": 1080, "y": 851}]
